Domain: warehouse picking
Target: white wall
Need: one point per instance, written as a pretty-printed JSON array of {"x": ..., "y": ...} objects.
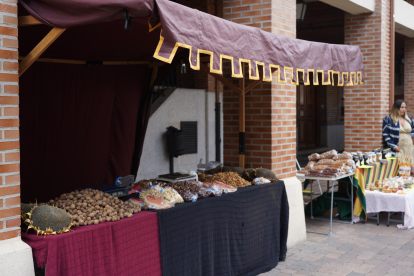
[{"x": 183, "y": 105}]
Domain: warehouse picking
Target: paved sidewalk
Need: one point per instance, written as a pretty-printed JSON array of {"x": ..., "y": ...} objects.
[{"x": 359, "y": 249}]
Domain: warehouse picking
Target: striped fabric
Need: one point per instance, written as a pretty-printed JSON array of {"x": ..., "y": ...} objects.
[
  {"x": 391, "y": 131},
  {"x": 360, "y": 205},
  {"x": 379, "y": 170}
]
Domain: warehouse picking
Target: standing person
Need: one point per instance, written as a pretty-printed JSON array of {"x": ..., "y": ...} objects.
[{"x": 398, "y": 130}]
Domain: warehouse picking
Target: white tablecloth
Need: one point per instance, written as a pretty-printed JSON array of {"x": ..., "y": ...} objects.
[{"x": 390, "y": 202}]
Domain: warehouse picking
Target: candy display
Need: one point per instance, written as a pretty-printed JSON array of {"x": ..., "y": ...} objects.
[
  {"x": 226, "y": 188},
  {"x": 397, "y": 185},
  {"x": 140, "y": 202},
  {"x": 405, "y": 164},
  {"x": 158, "y": 203}
]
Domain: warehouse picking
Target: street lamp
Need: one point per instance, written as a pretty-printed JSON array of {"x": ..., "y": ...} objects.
[{"x": 300, "y": 10}]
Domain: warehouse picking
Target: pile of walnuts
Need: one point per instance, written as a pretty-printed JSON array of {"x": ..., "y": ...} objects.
[
  {"x": 230, "y": 178},
  {"x": 92, "y": 207}
]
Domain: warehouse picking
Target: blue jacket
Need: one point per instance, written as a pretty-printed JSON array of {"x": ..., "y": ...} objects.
[{"x": 391, "y": 131}]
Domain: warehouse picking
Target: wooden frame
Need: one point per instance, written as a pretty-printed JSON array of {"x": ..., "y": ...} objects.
[
  {"x": 34, "y": 55},
  {"x": 28, "y": 20}
]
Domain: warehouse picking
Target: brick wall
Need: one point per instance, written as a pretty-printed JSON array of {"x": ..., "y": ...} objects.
[
  {"x": 9, "y": 123},
  {"x": 409, "y": 75},
  {"x": 366, "y": 105},
  {"x": 271, "y": 107}
]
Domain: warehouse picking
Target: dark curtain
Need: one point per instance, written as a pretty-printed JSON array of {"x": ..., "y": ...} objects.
[{"x": 79, "y": 126}]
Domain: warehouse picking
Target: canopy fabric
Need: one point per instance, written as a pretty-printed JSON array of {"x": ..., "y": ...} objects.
[{"x": 202, "y": 33}]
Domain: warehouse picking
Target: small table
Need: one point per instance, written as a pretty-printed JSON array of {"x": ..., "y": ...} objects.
[
  {"x": 351, "y": 176},
  {"x": 389, "y": 202}
]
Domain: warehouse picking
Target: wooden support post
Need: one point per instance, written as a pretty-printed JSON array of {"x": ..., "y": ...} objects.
[
  {"x": 252, "y": 86},
  {"x": 242, "y": 123},
  {"x": 39, "y": 49},
  {"x": 220, "y": 78}
]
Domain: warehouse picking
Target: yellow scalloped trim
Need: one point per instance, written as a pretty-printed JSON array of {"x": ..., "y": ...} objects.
[
  {"x": 151, "y": 28},
  {"x": 257, "y": 77}
]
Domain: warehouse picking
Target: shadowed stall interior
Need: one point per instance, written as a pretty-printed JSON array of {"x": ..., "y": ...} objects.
[{"x": 84, "y": 125}]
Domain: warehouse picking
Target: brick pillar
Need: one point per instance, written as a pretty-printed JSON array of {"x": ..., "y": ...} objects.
[
  {"x": 367, "y": 104},
  {"x": 270, "y": 108},
  {"x": 9, "y": 124},
  {"x": 409, "y": 75}
]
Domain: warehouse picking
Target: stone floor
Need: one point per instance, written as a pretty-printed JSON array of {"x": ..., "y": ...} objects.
[{"x": 358, "y": 249}]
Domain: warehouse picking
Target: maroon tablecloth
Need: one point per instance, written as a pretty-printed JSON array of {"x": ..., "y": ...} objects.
[{"x": 127, "y": 247}]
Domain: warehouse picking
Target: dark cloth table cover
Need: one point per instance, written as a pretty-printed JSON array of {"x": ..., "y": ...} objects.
[
  {"x": 127, "y": 247},
  {"x": 241, "y": 233}
]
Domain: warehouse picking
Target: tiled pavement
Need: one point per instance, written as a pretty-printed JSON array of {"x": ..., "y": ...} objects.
[{"x": 359, "y": 249}]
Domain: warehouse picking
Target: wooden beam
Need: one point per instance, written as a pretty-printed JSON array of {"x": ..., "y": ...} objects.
[
  {"x": 220, "y": 78},
  {"x": 153, "y": 76},
  {"x": 252, "y": 85},
  {"x": 53, "y": 60},
  {"x": 256, "y": 82},
  {"x": 82, "y": 62},
  {"x": 39, "y": 49},
  {"x": 28, "y": 20},
  {"x": 242, "y": 117}
]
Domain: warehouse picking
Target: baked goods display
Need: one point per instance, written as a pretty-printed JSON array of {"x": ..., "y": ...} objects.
[
  {"x": 395, "y": 185},
  {"x": 329, "y": 164}
]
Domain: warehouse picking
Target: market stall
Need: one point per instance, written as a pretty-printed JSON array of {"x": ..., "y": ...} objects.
[
  {"x": 65, "y": 123},
  {"x": 85, "y": 105},
  {"x": 374, "y": 173}
]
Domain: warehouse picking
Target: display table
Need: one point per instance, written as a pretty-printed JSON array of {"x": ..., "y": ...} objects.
[
  {"x": 241, "y": 233},
  {"x": 388, "y": 202},
  {"x": 127, "y": 247},
  {"x": 332, "y": 180}
]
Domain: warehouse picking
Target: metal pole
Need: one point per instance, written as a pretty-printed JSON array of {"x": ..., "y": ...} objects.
[
  {"x": 171, "y": 164},
  {"x": 218, "y": 131}
]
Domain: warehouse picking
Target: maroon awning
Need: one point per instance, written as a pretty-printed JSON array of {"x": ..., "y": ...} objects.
[{"x": 202, "y": 33}]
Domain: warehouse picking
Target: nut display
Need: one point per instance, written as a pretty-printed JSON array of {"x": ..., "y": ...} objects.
[
  {"x": 184, "y": 186},
  {"x": 204, "y": 192},
  {"x": 91, "y": 206},
  {"x": 230, "y": 178},
  {"x": 149, "y": 192}
]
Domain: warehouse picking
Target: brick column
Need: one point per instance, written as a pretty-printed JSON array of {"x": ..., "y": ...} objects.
[
  {"x": 270, "y": 108},
  {"x": 9, "y": 124},
  {"x": 409, "y": 75},
  {"x": 366, "y": 105}
]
